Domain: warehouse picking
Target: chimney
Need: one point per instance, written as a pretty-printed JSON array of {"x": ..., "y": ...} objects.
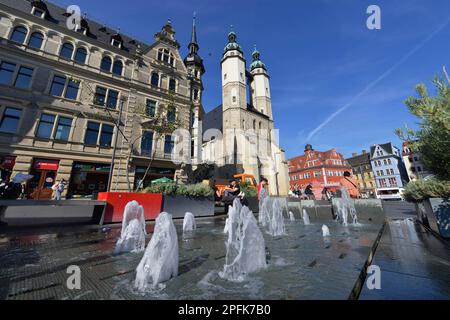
[
  {"x": 354, "y": 154},
  {"x": 364, "y": 152}
]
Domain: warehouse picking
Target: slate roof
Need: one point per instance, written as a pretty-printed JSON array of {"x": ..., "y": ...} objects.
[
  {"x": 97, "y": 31},
  {"x": 386, "y": 146},
  {"x": 359, "y": 160}
]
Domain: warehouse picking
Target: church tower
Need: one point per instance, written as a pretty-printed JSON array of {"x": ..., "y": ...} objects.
[
  {"x": 260, "y": 86},
  {"x": 196, "y": 69},
  {"x": 234, "y": 83}
]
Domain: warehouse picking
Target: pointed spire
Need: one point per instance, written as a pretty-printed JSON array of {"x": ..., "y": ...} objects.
[
  {"x": 193, "y": 45},
  {"x": 194, "y": 30}
]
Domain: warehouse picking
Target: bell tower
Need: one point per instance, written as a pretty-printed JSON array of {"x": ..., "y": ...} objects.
[
  {"x": 234, "y": 82},
  {"x": 260, "y": 86},
  {"x": 196, "y": 69}
]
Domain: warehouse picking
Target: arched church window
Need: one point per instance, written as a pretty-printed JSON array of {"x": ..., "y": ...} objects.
[{"x": 254, "y": 124}]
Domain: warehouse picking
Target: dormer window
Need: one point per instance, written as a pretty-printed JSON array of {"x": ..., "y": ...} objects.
[
  {"x": 166, "y": 56},
  {"x": 116, "y": 41},
  {"x": 38, "y": 12},
  {"x": 81, "y": 30},
  {"x": 83, "y": 27}
]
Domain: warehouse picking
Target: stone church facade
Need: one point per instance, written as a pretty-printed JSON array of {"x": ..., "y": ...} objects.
[{"x": 239, "y": 134}]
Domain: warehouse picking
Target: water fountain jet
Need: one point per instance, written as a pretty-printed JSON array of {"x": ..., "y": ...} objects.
[
  {"x": 291, "y": 216},
  {"x": 160, "y": 260},
  {"x": 305, "y": 217},
  {"x": 132, "y": 235},
  {"x": 246, "y": 251},
  {"x": 345, "y": 206},
  {"x": 189, "y": 222}
]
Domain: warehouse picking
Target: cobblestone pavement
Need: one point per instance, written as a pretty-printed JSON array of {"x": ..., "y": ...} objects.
[{"x": 301, "y": 265}]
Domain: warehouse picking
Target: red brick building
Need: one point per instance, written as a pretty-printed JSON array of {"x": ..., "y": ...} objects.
[{"x": 318, "y": 168}]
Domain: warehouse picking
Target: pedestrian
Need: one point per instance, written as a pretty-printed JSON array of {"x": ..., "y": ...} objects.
[
  {"x": 59, "y": 189},
  {"x": 326, "y": 194},
  {"x": 309, "y": 193},
  {"x": 262, "y": 185},
  {"x": 350, "y": 184}
]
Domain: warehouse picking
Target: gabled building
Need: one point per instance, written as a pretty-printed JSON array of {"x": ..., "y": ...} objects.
[
  {"x": 362, "y": 170},
  {"x": 389, "y": 170},
  {"x": 320, "y": 167},
  {"x": 414, "y": 167}
]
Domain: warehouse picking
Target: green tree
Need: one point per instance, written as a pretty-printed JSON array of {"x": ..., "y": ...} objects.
[
  {"x": 432, "y": 139},
  {"x": 161, "y": 124}
]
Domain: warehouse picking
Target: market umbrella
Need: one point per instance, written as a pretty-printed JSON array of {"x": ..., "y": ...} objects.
[
  {"x": 162, "y": 180},
  {"x": 21, "y": 177}
]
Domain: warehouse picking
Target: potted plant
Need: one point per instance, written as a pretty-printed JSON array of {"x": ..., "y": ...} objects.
[
  {"x": 431, "y": 197},
  {"x": 179, "y": 198}
]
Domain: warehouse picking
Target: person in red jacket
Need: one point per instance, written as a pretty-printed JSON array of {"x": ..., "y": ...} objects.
[
  {"x": 350, "y": 183},
  {"x": 262, "y": 184}
]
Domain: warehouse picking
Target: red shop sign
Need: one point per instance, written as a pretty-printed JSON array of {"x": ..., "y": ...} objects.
[{"x": 46, "y": 164}]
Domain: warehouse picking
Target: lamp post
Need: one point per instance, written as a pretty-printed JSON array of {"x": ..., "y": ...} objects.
[{"x": 113, "y": 157}]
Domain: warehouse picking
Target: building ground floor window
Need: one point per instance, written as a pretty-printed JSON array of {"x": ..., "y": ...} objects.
[
  {"x": 88, "y": 179},
  {"x": 153, "y": 173},
  {"x": 6, "y": 167},
  {"x": 44, "y": 174}
]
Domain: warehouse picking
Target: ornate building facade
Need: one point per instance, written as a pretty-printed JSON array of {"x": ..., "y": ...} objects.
[
  {"x": 63, "y": 91},
  {"x": 362, "y": 170},
  {"x": 324, "y": 168}
]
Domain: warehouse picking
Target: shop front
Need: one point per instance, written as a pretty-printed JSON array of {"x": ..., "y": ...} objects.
[
  {"x": 6, "y": 167},
  {"x": 44, "y": 174},
  {"x": 88, "y": 179},
  {"x": 153, "y": 173}
]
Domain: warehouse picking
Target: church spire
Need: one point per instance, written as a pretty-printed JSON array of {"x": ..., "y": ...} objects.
[{"x": 193, "y": 45}]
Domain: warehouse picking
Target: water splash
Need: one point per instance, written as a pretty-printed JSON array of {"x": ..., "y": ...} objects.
[
  {"x": 276, "y": 222},
  {"x": 291, "y": 216},
  {"x": 189, "y": 222},
  {"x": 245, "y": 244},
  {"x": 345, "y": 206},
  {"x": 264, "y": 208},
  {"x": 132, "y": 235},
  {"x": 305, "y": 217},
  {"x": 325, "y": 231},
  {"x": 160, "y": 260}
]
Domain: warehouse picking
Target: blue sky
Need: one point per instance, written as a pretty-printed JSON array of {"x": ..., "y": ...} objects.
[{"x": 321, "y": 57}]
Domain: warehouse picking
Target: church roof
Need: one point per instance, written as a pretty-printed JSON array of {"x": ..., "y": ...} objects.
[
  {"x": 257, "y": 63},
  {"x": 232, "y": 44},
  {"x": 96, "y": 31}
]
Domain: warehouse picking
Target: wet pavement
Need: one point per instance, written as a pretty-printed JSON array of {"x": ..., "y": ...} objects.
[
  {"x": 301, "y": 265},
  {"x": 414, "y": 263}
]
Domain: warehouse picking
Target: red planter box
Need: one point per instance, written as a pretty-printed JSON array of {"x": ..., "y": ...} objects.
[{"x": 116, "y": 202}]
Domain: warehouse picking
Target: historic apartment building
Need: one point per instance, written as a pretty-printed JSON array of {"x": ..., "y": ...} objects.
[
  {"x": 62, "y": 92},
  {"x": 414, "y": 167},
  {"x": 244, "y": 122},
  {"x": 324, "y": 168},
  {"x": 389, "y": 170},
  {"x": 363, "y": 173}
]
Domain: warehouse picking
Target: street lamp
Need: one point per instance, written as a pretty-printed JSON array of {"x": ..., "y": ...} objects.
[{"x": 113, "y": 157}]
